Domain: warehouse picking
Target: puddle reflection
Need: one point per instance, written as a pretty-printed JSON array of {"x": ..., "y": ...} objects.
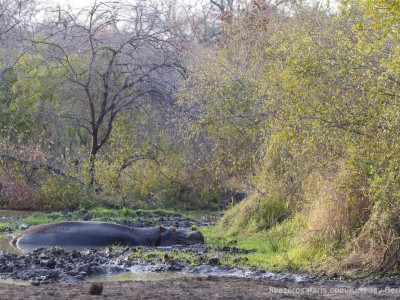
[{"x": 6, "y": 246}]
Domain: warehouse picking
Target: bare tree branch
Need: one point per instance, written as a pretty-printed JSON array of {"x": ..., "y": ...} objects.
[{"x": 116, "y": 56}]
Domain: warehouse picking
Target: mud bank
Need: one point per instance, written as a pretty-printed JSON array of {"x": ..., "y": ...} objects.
[{"x": 44, "y": 266}]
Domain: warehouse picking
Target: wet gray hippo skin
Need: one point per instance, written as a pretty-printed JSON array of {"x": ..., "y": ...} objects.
[{"x": 97, "y": 234}]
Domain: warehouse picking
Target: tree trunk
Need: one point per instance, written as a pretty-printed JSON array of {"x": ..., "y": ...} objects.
[{"x": 92, "y": 160}]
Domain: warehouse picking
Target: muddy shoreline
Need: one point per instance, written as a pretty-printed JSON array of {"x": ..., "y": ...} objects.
[
  {"x": 44, "y": 266},
  {"x": 56, "y": 267}
]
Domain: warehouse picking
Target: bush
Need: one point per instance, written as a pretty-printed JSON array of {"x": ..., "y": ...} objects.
[
  {"x": 63, "y": 193},
  {"x": 335, "y": 204},
  {"x": 17, "y": 194},
  {"x": 255, "y": 213}
]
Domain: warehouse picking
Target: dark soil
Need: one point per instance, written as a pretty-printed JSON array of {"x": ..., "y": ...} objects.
[{"x": 192, "y": 288}]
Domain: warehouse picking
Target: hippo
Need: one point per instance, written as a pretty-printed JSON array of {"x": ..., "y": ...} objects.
[{"x": 100, "y": 234}]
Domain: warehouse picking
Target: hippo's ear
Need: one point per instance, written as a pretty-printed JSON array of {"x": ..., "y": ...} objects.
[
  {"x": 162, "y": 229},
  {"x": 172, "y": 229}
]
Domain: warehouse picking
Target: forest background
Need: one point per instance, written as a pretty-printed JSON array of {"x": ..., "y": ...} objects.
[{"x": 291, "y": 105}]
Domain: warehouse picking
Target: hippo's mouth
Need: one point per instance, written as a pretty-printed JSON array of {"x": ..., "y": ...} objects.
[
  {"x": 181, "y": 238},
  {"x": 193, "y": 238}
]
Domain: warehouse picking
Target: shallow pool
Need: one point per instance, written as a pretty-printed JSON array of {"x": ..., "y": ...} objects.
[{"x": 6, "y": 246}]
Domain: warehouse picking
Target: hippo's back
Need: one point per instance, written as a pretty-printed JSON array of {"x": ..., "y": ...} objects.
[{"x": 84, "y": 234}]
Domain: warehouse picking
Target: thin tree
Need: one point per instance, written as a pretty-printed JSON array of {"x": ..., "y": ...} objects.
[{"x": 115, "y": 57}]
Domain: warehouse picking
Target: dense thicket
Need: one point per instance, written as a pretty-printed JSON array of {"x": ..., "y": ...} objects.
[{"x": 316, "y": 96}]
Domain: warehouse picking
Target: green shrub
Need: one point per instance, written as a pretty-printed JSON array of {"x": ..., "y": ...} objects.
[
  {"x": 255, "y": 213},
  {"x": 62, "y": 193}
]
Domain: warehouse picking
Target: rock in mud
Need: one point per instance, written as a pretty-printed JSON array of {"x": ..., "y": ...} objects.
[{"x": 96, "y": 289}]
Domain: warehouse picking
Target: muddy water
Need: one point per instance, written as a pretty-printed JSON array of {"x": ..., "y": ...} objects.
[
  {"x": 17, "y": 213},
  {"x": 15, "y": 282},
  {"x": 11, "y": 217},
  {"x": 143, "y": 276},
  {"x": 121, "y": 277},
  {"x": 6, "y": 246}
]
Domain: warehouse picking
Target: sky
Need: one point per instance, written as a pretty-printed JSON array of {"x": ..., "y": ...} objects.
[
  {"x": 72, "y": 3},
  {"x": 83, "y": 3},
  {"x": 78, "y": 4}
]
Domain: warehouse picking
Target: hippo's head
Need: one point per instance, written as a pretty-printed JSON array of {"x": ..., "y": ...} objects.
[{"x": 172, "y": 236}]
